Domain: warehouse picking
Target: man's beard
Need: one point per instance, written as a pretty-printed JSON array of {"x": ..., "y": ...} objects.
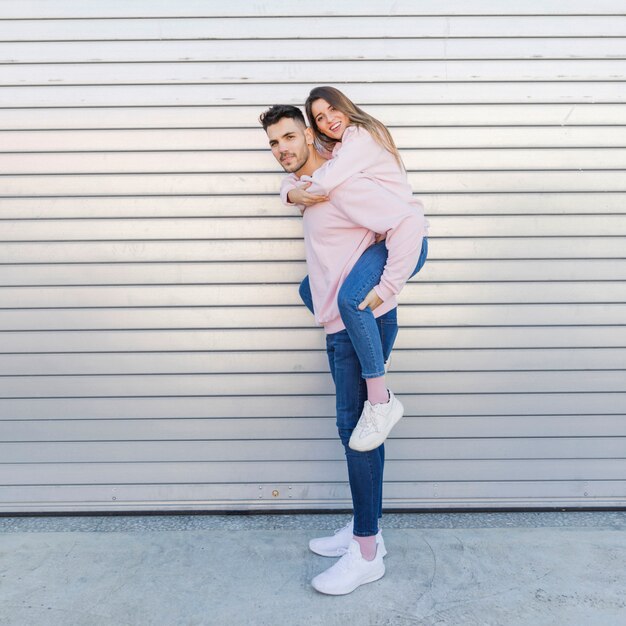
[{"x": 295, "y": 164}]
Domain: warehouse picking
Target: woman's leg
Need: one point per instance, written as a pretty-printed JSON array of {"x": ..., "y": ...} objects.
[{"x": 361, "y": 325}]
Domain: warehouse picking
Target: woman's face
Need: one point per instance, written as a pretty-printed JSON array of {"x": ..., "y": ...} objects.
[{"x": 329, "y": 120}]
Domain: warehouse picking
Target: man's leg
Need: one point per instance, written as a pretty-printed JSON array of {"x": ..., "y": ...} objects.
[
  {"x": 362, "y": 557},
  {"x": 364, "y": 468},
  {"x": 305, "y": 293}
]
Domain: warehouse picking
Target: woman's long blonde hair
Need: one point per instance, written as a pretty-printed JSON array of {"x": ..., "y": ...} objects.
[{"x": 357, "y": 117}]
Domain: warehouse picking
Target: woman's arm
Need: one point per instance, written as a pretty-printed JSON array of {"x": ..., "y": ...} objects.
[
  {"x": 404, "y": 227},
  {"x": 358, "y": 152},
  {"x": 294, "y": 193},
  {"x": 404, "y": 245}
]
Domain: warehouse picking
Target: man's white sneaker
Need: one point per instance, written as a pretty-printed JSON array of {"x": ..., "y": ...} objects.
[
  {"x": 375, "y": 423},
  {"x": 340, "y": 542},
  {"x": 349, "y": 572}
]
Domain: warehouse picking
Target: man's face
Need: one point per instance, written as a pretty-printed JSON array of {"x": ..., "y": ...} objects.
[{"x": 290, "y": 141}]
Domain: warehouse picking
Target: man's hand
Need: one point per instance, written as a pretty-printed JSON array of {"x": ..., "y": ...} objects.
[
  {"x": 301, "y": 196},
  {"x": 371, "y": 300}
]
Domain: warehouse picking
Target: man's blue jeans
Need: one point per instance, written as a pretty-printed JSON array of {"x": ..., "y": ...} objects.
[
  {"x": 361, "y": 325},
  {"x": 365, "y": 469}
]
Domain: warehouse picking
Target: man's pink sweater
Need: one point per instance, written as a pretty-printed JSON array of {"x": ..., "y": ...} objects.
[{"x": 369, "y": 194}]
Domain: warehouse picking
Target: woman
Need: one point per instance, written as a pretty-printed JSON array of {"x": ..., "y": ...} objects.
[{"x": 361, "y": 148}]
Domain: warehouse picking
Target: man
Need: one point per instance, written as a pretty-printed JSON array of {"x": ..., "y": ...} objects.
[{"x": 336, "y": 234}]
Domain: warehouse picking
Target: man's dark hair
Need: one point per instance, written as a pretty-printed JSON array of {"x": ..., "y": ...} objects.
[{"x": 276, "y": 113}]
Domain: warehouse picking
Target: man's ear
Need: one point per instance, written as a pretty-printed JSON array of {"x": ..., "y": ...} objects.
[{"x": 310, "y": 137}]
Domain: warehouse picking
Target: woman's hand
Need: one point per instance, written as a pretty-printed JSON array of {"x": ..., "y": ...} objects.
[
  {"x": 301, "y": 196},
  {"x": 371, "y": 300}
]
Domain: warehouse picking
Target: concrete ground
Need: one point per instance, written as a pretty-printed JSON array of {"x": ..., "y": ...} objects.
[{"x": 456, "y": 569}]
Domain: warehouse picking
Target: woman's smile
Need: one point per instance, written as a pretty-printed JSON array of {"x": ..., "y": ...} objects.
[
  {"x": 329, "y": 120},
  {"x": 334, "y": 128}
]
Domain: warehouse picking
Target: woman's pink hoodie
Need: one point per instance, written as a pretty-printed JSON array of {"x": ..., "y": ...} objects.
[{"x": 369, "y": 194}]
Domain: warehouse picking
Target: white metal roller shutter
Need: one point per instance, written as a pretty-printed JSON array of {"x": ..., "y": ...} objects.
[{"x": 154, "y": 354}]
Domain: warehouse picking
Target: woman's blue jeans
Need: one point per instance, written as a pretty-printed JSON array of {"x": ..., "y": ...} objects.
[
  {"x": 365, "y": 469},
  {"x": 361, "y": 325}
]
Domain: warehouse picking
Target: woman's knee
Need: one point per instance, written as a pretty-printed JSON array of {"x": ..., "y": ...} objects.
[{"x": 347, "y": 299}]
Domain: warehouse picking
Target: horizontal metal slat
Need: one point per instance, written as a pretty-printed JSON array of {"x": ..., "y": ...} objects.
[
  {"x": 397, "y": 448},
  {"x": 406, "y": 360},
  {"x": 484, "y": 248},
  {"x": 416, "y": 406},
  {"x": 263, "y": 95},
  {"x": 315, "y": 27},
  {"x": 292, "y": 427},
  {"x": 503, "y": 203},
  {"x": 308, "y": 338},
  {"x": 150, "y": 9},
  {"x": 238, "y": 139},
  {"x": 414, "y": 292},
  {"x": 329, "y": 71},
  {"x": 350, "y": 49},
  {"x": 334, "y": 496},
  {"x": 292, "y": 272},
  {"x": 75, "y": 117},
  {"x": 237, "y": 318},
  {"x": 320, "y": 471},
  {"x": 292, "y": 228},
  {"x": 197, "y": 183},
  {"x": 299, "y": 384},
  {"x": 262, "y": 161}
]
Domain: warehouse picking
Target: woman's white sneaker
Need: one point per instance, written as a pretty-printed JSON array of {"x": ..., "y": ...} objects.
[
  {"x": 340, "y": 542},
  {"x": 375, "y": 423},
  {"x": 350, "y": 571}
]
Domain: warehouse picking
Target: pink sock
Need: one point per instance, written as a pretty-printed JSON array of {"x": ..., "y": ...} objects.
[
  {"x": 377, "y": 390},
  {"x": 368, "y": 546}
]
